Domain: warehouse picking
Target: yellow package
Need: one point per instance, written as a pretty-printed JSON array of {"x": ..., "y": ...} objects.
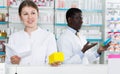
[{"x": 56, "y": 57}]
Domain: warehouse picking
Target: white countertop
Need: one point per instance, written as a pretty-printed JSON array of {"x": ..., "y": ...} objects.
[{"x": 62, "y": 69}]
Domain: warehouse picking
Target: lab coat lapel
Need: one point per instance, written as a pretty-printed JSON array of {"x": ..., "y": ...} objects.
[{"x": 81, "y": 41}]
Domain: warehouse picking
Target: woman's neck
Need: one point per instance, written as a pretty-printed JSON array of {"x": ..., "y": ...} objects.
[{"x": 30, "y": 29}]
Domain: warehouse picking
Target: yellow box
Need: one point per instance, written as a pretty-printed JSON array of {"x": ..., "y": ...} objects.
[{"x": 56, "y": 57}]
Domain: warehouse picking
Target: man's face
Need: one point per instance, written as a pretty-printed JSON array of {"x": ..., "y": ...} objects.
[{"x": 76, "y": 21}]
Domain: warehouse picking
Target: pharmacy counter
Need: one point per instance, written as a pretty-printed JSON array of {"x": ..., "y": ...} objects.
[{"x": 62, "y": 69}]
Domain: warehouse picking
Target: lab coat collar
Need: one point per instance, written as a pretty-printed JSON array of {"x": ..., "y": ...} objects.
[
  {"x": 72, "y": 30},
  {"x": 38, "y": 29},
  {"x": 34, "y": 32}
]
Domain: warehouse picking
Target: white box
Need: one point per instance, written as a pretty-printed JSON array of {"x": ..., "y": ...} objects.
[
  {"x": 114, "y": 64},
  {"x": 2, "y": 68}
]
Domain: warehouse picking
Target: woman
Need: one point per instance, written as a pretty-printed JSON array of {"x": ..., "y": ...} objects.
[{"x": 32, "y": 46}]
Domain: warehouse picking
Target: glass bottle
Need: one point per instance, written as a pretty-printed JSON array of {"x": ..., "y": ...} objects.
[{"x": 4, "y": 33}]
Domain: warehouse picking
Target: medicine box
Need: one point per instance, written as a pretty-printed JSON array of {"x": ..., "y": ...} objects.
[{"x": 56, "y": 57}]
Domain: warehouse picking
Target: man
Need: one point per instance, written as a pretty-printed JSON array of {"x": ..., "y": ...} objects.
[{"x": 73, "y": 45}]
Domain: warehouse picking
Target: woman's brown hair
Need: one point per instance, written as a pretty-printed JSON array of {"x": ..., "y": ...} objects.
[{"x": 27, "y": 3}]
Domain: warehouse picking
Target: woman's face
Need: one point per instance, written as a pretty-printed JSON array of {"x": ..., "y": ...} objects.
[{"x": 29, "y": 16}]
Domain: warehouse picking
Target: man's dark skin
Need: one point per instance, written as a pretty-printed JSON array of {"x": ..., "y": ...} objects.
[{"x": 75, "y": 22}]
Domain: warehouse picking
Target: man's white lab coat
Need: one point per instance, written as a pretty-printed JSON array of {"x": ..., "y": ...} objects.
[
  {"x": 33, "y": 49},
  {"x": 71, "y": 46}
]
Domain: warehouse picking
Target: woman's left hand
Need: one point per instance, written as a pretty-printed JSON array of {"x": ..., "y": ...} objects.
[
  {"x": 15, "y": 59},
  {"x": 56, "y": 64}
]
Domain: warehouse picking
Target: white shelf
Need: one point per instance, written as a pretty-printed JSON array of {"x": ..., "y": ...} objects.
[
  {"x": 3, "y": 23},
  {"x": 3, "y": 6}
]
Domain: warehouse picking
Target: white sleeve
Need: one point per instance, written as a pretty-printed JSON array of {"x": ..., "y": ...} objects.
[
  {"x": 51, "y": 46},
  {"x": 65, "y": 46},
  {"x": 8, "y": 52},
  {"x": 91, "y": 55}
]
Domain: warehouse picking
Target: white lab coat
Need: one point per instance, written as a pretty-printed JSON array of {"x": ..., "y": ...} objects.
[
  {"x": 71, "y": 46},
  {"x": 40, "y": 45}
]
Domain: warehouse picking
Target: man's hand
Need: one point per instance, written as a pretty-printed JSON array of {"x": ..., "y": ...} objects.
[
  {"x": 15, "y": 59},
  {"x": 88, "y": 46},
  {"x": 102, "y": 48}
]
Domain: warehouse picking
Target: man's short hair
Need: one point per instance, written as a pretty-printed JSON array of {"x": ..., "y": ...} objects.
[{"x": 71, "y": 12}]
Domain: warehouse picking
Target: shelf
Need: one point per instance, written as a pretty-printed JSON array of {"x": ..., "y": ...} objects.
[
  {"x": 2, "y": 53},
  {"x": 61, "y": 24},
  {"x": 3, "y": 6},
  {"x": 15, "y": 22},
  {"x": 92, "y": 25},
  {"x": 44, "y": 23},
  {"x": 84, "y": 10},
  {"x": 45, "y": 7},
  {"x": 62, "y": 9},
  {"x": 3, "y": 22},
  {"x": 97, "y": 40},
  {"x": 2, "y": 38},
  {"x": 95, "y": 10}
]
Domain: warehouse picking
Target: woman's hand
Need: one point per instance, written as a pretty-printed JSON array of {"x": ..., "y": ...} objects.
[
  {"x": 56, "y": 64},
  {"x": 15, "y": 59}
]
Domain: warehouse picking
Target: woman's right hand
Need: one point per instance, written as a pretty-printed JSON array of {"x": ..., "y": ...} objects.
[{"x": 15, "y": 59}]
